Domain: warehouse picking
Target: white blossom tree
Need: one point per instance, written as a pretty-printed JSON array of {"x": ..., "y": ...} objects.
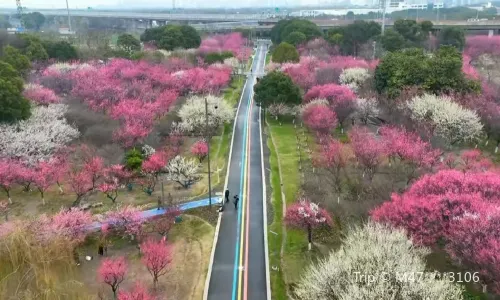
[
  {"x": 279, "y": 109},
  {"x": 183, "y": 171},
  {"x": 354, "y": 77},
  {"x": 37, "y": 138},
  {"x": 366, "y": 108},
  {"x": 371, "y": 264},
  {"x": 193, "y": 117},
  {"x": 232, "y": 62},
  {"x": 447, "y": 119}
]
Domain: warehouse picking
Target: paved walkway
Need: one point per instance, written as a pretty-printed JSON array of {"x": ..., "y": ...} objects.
[
  {"x": 150, "y": 213},
  {"x": 239, "y": 262}
]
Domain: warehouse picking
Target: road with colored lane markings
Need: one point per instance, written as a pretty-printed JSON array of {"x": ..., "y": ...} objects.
[{"x": 239, "y": 262}]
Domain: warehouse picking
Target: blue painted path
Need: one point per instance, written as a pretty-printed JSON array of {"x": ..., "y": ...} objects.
[{"x": 154, "y": 212}]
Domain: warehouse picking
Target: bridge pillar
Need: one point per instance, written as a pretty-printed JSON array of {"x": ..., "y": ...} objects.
[{"x": 491, "y": 32}]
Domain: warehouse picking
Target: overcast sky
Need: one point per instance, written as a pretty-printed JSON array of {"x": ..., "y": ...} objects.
[{"x": 146, "y": 3}]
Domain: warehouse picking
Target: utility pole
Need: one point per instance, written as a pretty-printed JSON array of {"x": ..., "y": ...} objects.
[
  {"x": 208, "y": 155},
  {"x": 69, "y": 17},
  {"x": 384, "y": 3}
]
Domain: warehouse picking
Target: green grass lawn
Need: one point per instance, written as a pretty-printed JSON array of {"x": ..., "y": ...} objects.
[{"x": 283, "y": 146}]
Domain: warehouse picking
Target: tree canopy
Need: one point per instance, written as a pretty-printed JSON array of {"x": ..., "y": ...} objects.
[
  {"x": 33, "y": 20},
  {"x": 285, "y": 53},
  {"x": 284, "y": 28},
  {"x": 216, "y": 57},
  {"x": 351, "y": 37},
  {"x": 61, "y": 50},
  {"x": 13, "y": 106},
  {"x": 276, "y": 87},
  {"x": 170, "y": 37},
  {"x": 441, "y": 72},
  {"x": 452, "y": 36},
  {"x": 128, "y": 42},
  {"x": 16, "y": 59},
  {"x": 296, "y": 38}
]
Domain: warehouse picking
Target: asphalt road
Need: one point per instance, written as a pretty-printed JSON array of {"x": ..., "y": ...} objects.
[{"x": 239, "y": 265}]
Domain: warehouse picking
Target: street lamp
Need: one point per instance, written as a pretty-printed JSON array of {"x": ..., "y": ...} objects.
[{"x": 207, "y": 137}]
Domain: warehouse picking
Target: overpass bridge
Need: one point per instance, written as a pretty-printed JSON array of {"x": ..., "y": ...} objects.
[
  {"x": 262, "y": 27},
  {"x": 160, "y": 17}
]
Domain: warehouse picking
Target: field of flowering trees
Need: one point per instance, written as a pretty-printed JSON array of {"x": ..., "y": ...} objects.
[
  {"x": 421, "y": 164},
  {"x": 106, "y": 140}
]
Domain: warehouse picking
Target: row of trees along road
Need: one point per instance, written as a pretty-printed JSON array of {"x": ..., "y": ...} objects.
[{"x": 351, "y": 38}]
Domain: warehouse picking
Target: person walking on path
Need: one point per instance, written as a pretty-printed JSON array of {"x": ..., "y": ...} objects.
[
  {"x": 227, "y": 196},
  {"x": 236, "y": 199},
  {"x": 160, "y": 204}
]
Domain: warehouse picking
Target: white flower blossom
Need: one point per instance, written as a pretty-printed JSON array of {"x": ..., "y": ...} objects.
[
  {"x": 452, "y": 122},
  {"x": 354, "y": 77},
  {"x": 232, "y": 62},
  {"x": 183, "y": 171},
  {"x": 38, "y": 137},
  {"x": 148, "y": 150},
  {"x": 193, "y": 118},
  {"x": 366, "y": 108},
  {"x": 371, "y": 264}
]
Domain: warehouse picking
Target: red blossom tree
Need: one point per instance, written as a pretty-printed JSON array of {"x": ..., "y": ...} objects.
[
  {"x": 306, "y": 215},
  {"x": 369, "y": 150},
  {"x": 139, "y": 292},
  {"x": 415, "y": 153},
  {"x": 112, "y": 272},
  {"x": 156, "y": 258},
  {"x": 200, "y": 150},
  {"x": 474, "y": 241},
  {"x": 319, "y": 118}
]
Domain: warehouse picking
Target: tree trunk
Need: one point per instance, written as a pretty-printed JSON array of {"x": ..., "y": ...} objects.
[
  {"x": 8, "y": 195},
  {"x": 309, "y": 236},
  {"x": 61, "y": 191},
  {"x": 114, "y": 291}
]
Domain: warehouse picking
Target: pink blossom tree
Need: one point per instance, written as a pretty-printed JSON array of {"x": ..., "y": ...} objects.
[
  {"x": 40, "y": 95},
  {"x": 341, "y": 99},
  {"x": 112, "y": 272},
  {"x": 165, "y": 222},
  {"x": 114, "y": 176},
  {"x": 126, "y": 219},
  {"x": 45, "y": 175},
  {"x": 80, "y": 182},
  {"x": 319, "y": 117},
  {"x": 482, "y": 44},
  {"x": 139, "y": 292},
  {"x": 153, "y": 167},
  {"x": 8, "y": 175},
  {"x": 156, "y": 258},
  {"x": 368, "y": 149},
  {"x": 334, "y": 156},
  {"x": 200, "y": 150},
  {"x": 72, "y": 224},
  {"x": 25, "y": 176},
  {"x": 307, "y": 215}
]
